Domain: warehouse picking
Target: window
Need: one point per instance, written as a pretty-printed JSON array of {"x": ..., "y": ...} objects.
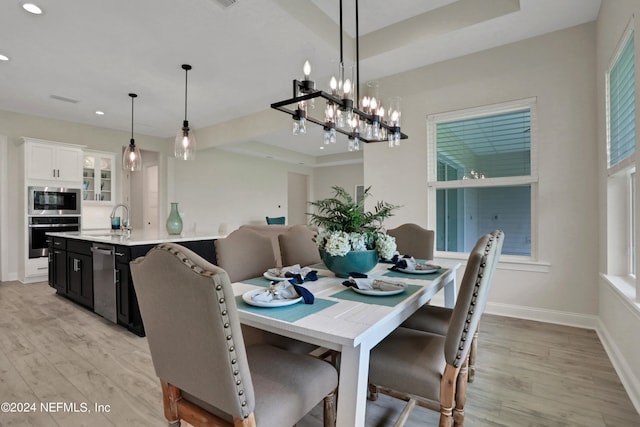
[
  {"x": 621, "y": 181},
  {"x": 482, "y": 176}
]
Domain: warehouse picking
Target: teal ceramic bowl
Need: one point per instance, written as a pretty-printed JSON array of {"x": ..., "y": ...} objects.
[{"x": 354, "y": 261}]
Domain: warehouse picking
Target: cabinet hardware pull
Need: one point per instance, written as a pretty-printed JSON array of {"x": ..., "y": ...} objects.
[
  {"x": 42, "y": 268},
  {"x": 119, "y": 253},
  {"x": 76, "y": 264}
]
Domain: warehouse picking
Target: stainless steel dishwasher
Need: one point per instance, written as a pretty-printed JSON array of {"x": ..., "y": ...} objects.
[{"x": 104, "y": 281}]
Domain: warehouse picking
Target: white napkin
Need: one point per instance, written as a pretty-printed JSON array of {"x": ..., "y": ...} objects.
[
  {"x": 412, "y": 265},
  {"x": 293, "y": 269},
  {"x": 381, "y": 285},
  {"x": 284, "y": 290}
]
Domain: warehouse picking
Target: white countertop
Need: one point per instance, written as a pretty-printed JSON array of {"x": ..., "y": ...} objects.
[{"x": 138, "y": 237}]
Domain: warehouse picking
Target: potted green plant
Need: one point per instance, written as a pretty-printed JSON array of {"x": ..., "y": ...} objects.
[{"x": 349, "y": 238}]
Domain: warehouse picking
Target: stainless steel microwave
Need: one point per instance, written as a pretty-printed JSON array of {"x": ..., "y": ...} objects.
[{"x": 54, "y": 201}]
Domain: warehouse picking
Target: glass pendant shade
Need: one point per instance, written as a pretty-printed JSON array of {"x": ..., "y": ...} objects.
[
  {"x": 131, "y": 158},
  {"x": 185, "y": 144}
]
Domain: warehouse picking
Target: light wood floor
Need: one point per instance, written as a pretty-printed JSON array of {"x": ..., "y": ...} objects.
[{"x": 53, "y": 351}]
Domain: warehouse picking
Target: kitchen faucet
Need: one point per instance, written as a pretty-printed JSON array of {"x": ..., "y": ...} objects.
[{"x": 125, "y": 220}]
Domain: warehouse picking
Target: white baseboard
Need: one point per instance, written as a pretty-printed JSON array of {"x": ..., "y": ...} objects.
[
  {"x": 544, "y": 315},
  {"x": 630, "y": 382}
]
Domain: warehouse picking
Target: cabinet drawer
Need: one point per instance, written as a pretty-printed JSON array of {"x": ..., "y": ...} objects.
[
  {"x": 59, "y": 243},
  {"x": 78, "y": 246}
]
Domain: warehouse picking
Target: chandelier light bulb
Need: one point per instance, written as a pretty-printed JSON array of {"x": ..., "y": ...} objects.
[
  {"x": 373, "y": 103},
  {"x": 347, "y": 87},
  {"x": 333, "y": 84},
  {"x": 306, "y": 69}
]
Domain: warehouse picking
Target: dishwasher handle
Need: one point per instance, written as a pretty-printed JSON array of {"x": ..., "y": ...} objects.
[{"x": 102, "y": 251}]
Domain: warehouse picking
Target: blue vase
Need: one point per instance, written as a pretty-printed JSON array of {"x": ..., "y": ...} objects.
[
  {"x": 354, "y": 261},
  {"x": 174, "y": 222}
]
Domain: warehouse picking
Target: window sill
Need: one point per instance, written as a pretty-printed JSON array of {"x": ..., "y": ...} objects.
[
  {"x": 625, "y": 286},
  {"x": 506, "y": 262}
]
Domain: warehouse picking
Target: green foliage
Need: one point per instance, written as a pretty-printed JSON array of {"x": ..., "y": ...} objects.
[{"x": 342, "y": 213}]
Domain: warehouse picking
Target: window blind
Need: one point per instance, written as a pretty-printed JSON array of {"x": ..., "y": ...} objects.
[
  {"x": 492, "y": 146},
  {"x": 622, "y": 126}
]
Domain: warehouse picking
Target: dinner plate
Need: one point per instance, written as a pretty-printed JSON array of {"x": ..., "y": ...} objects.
[
  {"x": 377, "y": 292},
  {"x": 268, "y": 276},
  {"x": 429, "y": 271},
  {"x": 247, "y": 297}
]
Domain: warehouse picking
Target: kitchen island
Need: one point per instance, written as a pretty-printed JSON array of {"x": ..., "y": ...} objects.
[{"x": 91, "y": 268}]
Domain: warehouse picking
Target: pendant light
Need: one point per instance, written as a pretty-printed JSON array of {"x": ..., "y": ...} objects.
[
  {"x": 185, "y": 144},
  {"x": 131, "y": 159}
]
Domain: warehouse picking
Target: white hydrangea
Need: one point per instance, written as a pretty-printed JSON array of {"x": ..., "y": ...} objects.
[
  {"x": 358, "y": 242},
  {"x": 386, "y": 245},
  {"x": 337, "y": 243}
]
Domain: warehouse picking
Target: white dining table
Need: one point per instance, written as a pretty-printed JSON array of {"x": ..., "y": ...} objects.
[{"x": 348, "y": 324}]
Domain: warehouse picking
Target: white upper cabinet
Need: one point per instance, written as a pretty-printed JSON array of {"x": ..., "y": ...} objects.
[
  {"x": 98, "y": 178},
  {"x": 53, "y": 162}
]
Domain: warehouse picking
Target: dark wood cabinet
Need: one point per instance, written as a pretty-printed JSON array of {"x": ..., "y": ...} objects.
[
  {"x": 127, "y": 302},
  {"x": 80, "y": 272},
  {"x": 71, "y": 274},
  {"x": 58, "y": 264}
]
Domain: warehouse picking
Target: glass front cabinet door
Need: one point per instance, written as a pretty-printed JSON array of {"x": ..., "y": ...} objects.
[{"x": 98, "y": 178}]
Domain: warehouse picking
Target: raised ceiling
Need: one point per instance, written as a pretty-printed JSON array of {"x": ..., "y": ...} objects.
[{"x": 82, "y": 56}]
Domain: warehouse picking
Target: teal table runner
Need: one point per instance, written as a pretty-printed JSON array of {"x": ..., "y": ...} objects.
[
  {"x": 429, "y": 276},
  {"x": 289, "y": 313},
  {"x": 389, "y": 301}
]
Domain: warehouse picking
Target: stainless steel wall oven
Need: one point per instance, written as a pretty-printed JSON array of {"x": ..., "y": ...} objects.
[{"x": 40, "y": 225}]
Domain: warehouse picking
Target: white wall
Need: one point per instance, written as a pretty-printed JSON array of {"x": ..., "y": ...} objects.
[
  {"x": 619, "y": 315},
  {"x": 221, "y": 187},
  {"x": 345, "y": 176},
  {"x": 558, "y": 69}
]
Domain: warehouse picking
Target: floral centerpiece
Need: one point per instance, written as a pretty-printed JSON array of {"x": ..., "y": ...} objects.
[{"x": 347, "y": 232}]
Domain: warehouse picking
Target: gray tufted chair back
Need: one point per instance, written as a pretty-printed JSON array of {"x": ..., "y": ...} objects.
[
  {"x": 192, "y": 327},
  {"x": 414, "y": 240},
  {"x": 245, "y": 254},
  {"x": 471, "y": 301},
  {"x": 297, "y": 247}
]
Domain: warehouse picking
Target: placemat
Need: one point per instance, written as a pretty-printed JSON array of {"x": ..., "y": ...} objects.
[
  {"x": 261, "y": 281},
  {"x": 389, "y": 301},
  {"x": 429, "y": 276},
  {"x": 289, "y": 313}
]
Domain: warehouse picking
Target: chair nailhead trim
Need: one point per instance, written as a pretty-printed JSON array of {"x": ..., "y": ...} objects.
[
  {"x": 241, "y": 392},
  {"x": 238, "y": 382},
  {"x": 224, "y": 312},
  {"x": 219, "y": 287},
  {"x": 228, "y": 337},
  {"x": 232, "y": 348},
  {"x": 244, "y": 403},
  {"x": 226, "y": 325},
  {"x": 476, "y": 291},
  {"x": 221, "y": 300}
]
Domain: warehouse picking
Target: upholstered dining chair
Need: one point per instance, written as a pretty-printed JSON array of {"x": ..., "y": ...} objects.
[
  {"x": 208, "y": 376},
  {"x": 275, "y": 219},
  {"x": 413, "y": 240},
  {"x": 435, "y": 319},
  {"x": 245, "y": 254},
  {"x": 430, "y": 369},
  {"x": 297, "y": 247}
]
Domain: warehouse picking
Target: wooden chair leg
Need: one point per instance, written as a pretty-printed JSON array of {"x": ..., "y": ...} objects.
[
  {"x": 170, "y": 397},
  {"x": 472, "y": 356},
  {"x": 447, "y": 395},
  {"x": 329, "y": 410},
  {"x": 373, "y": 392},
  {"x": 460, "y": 396}
]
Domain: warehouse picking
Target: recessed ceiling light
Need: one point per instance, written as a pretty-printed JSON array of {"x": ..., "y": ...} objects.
[
  {"x": 3, "y": 57},
  {"x": 322, "y": 148},
  {"x": 32, "y": 8},
  {"x": 100, "y": 113}
]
